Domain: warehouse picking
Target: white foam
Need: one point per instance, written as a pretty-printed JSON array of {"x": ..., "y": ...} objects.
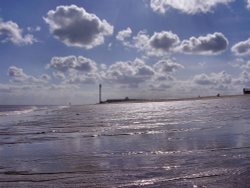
[{"x": 18, "y": 112}]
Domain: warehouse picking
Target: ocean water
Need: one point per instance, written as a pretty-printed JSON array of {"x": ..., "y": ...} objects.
[{"x": 200, "y": 143}]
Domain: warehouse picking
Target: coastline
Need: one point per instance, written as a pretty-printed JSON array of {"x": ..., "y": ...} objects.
[
  {"x": 123, "y": 145},
  {"x": 118, "y": 101}
]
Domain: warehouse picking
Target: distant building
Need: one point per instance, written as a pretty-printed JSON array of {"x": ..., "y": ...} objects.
[{"x": 246, "y": 91}]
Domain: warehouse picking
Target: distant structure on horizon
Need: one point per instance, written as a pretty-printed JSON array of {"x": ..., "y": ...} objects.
[
  {"x": 246, "y": 91},
  {"x": 100, "y": 93}
]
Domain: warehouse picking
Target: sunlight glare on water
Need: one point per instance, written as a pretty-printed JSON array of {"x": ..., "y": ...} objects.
[{"x": 166, "y": 144}]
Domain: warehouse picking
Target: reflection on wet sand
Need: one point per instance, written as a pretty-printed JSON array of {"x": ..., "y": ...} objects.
[{"x": 174, "y": 144}]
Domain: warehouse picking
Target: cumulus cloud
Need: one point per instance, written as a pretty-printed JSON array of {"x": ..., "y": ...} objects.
[
  {"x": 221, "y": 80},
  {"x": 73, "y": 26},
  {"x": 188, "y": 7},
  {"x": 73, "y": 70},
  {"x": 161, "y": 77},
  {"x": 241, "y": 48},
  {"x": 167, "y": 66},
  {"x": 210, "y": 44},
  {"x": 81, "y": 70},
  {"x": 123, "y": 34},
  {"x": 159, "y": 44},
  {"x": 64, "y": 64},
  {"x": 204, "y": 79},
  {"x": 245, "y": 66},
  {"x": 45, "y": 77},
  {"x": 76, "y": 78},
  {"x": 17, "y": 75},
  {"x": 129, "y": 72},
  {"x": 140, "y": 41},
  {"x": 11, "y": 32},
  {"x": 243, "y": 78},
  {"x": 134, "y": 73},
  {"x": 164, "y": 40},
  {"x": 58, "y": 75},
  {"x": 164, "y": 70},
  {"x": 248, "y": 4}
]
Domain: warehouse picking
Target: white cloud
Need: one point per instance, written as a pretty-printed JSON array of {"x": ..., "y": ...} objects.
[
  {"x": 138, "y": 72},
  {"x": 69, "y": 70},
  {"x": 74, "y": 70},
  {"x": 211, "y": 44},
  {"x": 165, "y": 43},
  {"x": 58, "y": 75},
  {"x": 11, "y": 32},
  {"x": 64, "y": 64},
  {"x": 248, "y": 4},
  {"x": 241, "y": 48},
  {"x": 17, "y": 75},
  {"x": 129, "y": 72},
  {"x": 186, "y": 6},
  {"x": 73, "y": 26},
  {"x": 246, "y": 66},
  {"x": 76, "y": 78},
  {"x": 150, "y": 80},
  {"x": 34, "y": 29},
  {"x": 204, "y": 79},
  {"x": 159, "y": 44},
  {"x": 45, "y": 77},
  {"x": 123, "y": 34},
  {"x": 140, "y": 41},
  {"x": 164, "y": 70},
  {"x": 167, "y": 66},
  {"x": 219, "y": 81},
  {"x": 243, "y": 78},
  {"x": 160, "y": 87}
]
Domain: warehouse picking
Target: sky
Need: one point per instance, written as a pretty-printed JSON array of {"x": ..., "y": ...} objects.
[{"x": 59, "y": 51}]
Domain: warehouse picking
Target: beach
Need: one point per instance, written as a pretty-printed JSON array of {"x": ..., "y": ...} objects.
[{"x": 179, "y": 143}]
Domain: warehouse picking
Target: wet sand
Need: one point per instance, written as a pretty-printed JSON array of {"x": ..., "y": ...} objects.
[{"x": 198, "y": 143}]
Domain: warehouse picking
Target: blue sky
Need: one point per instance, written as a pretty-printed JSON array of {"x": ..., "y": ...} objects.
[{"x": 55, "y": 52}]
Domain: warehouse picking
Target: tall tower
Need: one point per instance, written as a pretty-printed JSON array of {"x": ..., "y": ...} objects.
[{"x": 100, "y": 93}]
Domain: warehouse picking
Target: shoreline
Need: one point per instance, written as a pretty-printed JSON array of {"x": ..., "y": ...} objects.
[{"x": 118, "y": 101}]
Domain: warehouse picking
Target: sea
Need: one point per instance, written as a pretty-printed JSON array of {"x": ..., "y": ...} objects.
[{"x": 190, "y": 144}]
